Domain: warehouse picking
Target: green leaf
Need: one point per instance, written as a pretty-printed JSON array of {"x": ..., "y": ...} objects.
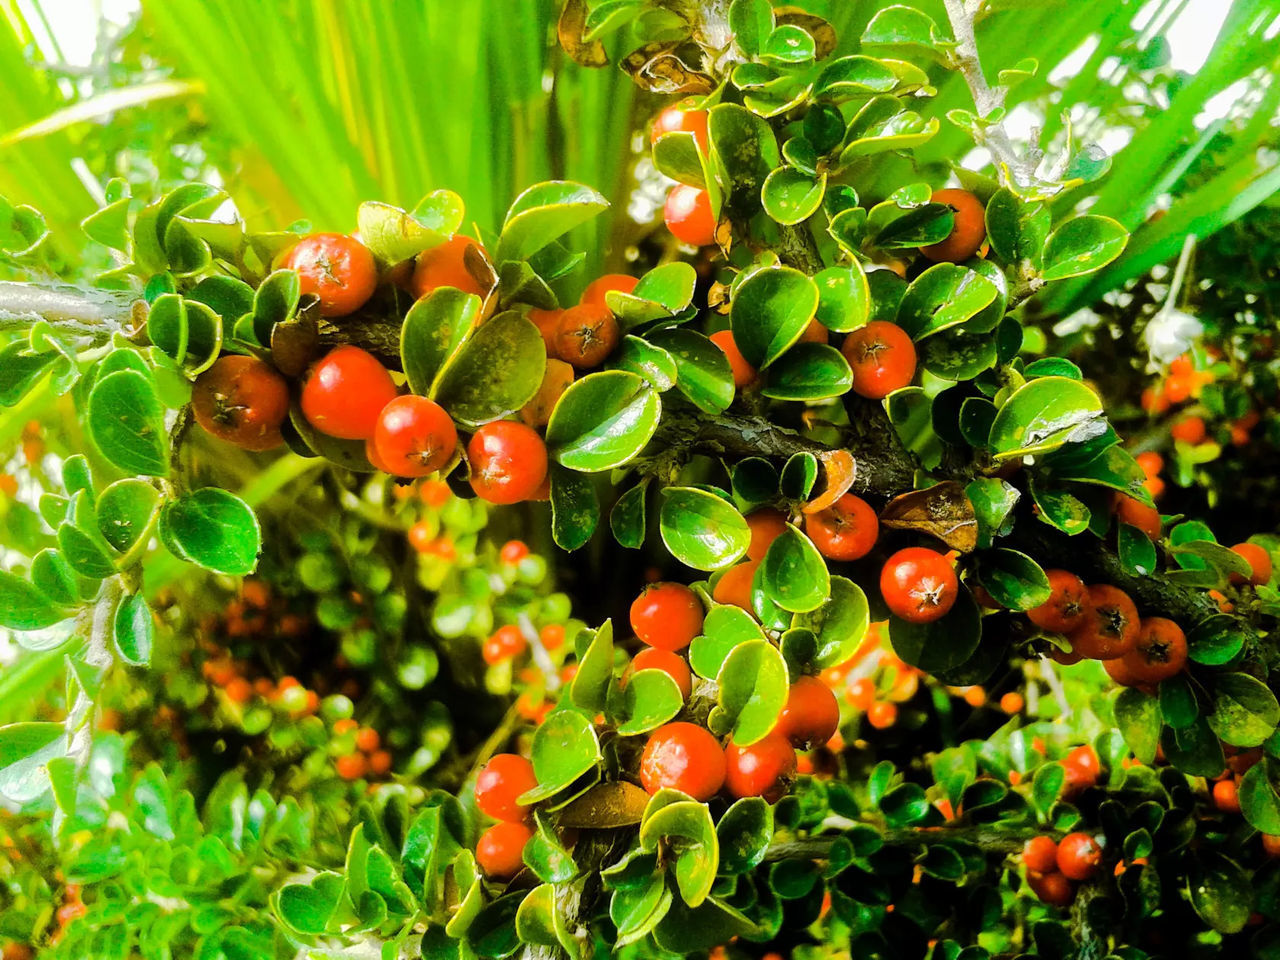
[
  {"x": 1260, "y": 795},
  {"x": 799, "y": 474},
  {"x": 589, "y": 688},
  {"x": 1042, "y": 415},
  {"x": 134, "y": 630},
  {"x": 24, "y": 750},
  {"x": 1215, "y": 641},
  {"x": 213, "y": 529},
  {"x": 649, "y": 361},
  {"x": 126, "y": 510},
  {"x": 602, "y": 421},
  {"x": 701, "y": 529},
  {"x": 1220, "y": 892},
  {"x": 744, "y": 151},
  {"x": 1193, "y": 749},
  {"x": 839, "y": 623},
  {"x": 703, "y": 373},
  {"x": 789, "y": 44},
  {"x": 771, "y": 309},
  {"x": 276, "y": 301},
  {"x": 627, "y": 518},
  {"x": 902, "y": 225},
  {"x": 545, "y": 212},
  {"x": 50, "y": 575},
  {"x": 126, "y": 421},
  {"x": 648, "y": 700},
  {"x": 1017, "y": 228},
  {"x": 753, "y": 690},
  {"x": 906, "y": 30},
  {"x": 809, "y": 372},
  {"x": 744, "y": 834},
  {"x": 724, "y": 628},
  {"x": 676, "y": 155},
  {"x": 1178, "y": 705},
  {"x": 20, "y": 369},
  {"x": 751, "y": 22},
  {"x": 564, "y": 748},
  {"x": 1014, "y": 580},
  {"x": 1245, "y": 711},
  {"x": 944, "y": 295},
  {"x": 854, "y": 76},
  {"x": 24, "y": 607},
  {"x": 229, "y": 297},
  {"x": 794, "y": 574},
  {"x": 393, "y": 235},
  {"x": 844, "y": 297},
  {"x": 1082, "y": 245},
  {"x": 943, "y": 644},
  {"x": 1060, "y": 510},
  {"x": 497, "y": 371},
  {"x": 791, "y": 196},
  {"x": 993, "y": 501},
  {"x": 685, "y": 827},
  {"x": 884, "y": 124},
  {"x": 188, "y": 332},
  {"x": 1137, "y": 553},
  {"x": 575, "y": 512},
  {"x": 433, "y": 330},
  {"x": 1138, "y": 718}
]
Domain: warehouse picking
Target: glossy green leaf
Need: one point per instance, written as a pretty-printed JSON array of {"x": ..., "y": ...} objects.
[
  {"x": 744, "y": 151},
  {"x": 676, "y": 155},
  {"x": 771, "y": 309},
  {"x": 839, "y": 623},
  {"x": 844, "y": 297},
  {"x": 1044, "y": 414},
  {"x": 1138, "y": 718},
  {"x": 495, "y": 372},
  {"x": 943, "y": 644},
  {"x": 809, "y": 372},
  {"x": 213, "y": 529},
  {"x": 649, "y": 699},
  {"x": 1245, "y": 711},
  {"x": 794, "y": 574},
  {"x": 685, "y": 827},
  {"x": 1220, "y": 892},
  {"x": 134, "y": 630},
  {"x": 564, "y": 748},
  {"x": 701, "y": 529},
  {"x": 703, "y": 373},
  {"x": 647, "y": 360},
  {"x": 545, "y": 212},
  {"x": 1017, "y": 228},
  {"x": 394, "y": 235},
  {"x": 433, "y": 330},
  {"x": 575, "y": 511},
  {"x": 906, "y": 30},
  {"x": 724, "y": 628},
  {"x": 753, "y": 690},
  {"x": 944, "y": 295},
  {"x": 126, "y": 421},
  {"x": 1215, "y": 641},
  {"x": 1082, "y": 245},
  {"x": 1013, "y": 579},
  {"x": 1137, "y": 553},
  {"x": 126, "y": 510},
  {"x": 1260, "y": 795},
  {"x": 24, "y": 607},
  {"x": 791, "y": 196},
  {"x": 602, "y": 421},
  {"x": 627, "y": 519}
]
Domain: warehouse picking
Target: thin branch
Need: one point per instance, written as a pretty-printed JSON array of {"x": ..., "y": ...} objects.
[{"x": 96, "y": 314}]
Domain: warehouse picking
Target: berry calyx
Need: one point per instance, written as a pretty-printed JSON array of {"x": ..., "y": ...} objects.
[
  {"x": 919, "y": 585},
  {"x": 414, "y": 436},
  {"x": 508, "y": 462},
  {"x": 586, "y": 335},
  {"x": 684, "y": 757},
  {"x": 242, "y": 400},
  {"x": 1067, "y": 605},
  {"x": 345, "y": 392},
  {"x": 667, "y": 616},
  {"x": 1160, "y": 653},
  {"x": 1111, "y": 627},
  {"x": 337, "y": 268}
]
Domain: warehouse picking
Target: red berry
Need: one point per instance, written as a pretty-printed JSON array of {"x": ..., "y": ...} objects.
[
  {"x": 1160, "y": 653},
  {"x": 241, "y": 400},
  {"x": 685, "y": 757},
  {"x": 672, "y": 664},
  {"x": 968, "y": 231},
  {"x": 445, "y": 266},
  {"x": 508, "y": 462},
  {"x": 761, "y": 769},
  {"x": 1110, "y": 629},
  {"x": 811, "y": 714},
  {"x": 351, "y": 767},
  {"x": 846, "y": 530},
  {"x": 1259, "y": 564},
  {"x": 743, "y": 373},
  {"x": 1079, "y": 856},
  {"x": 586, "y": 335},
  {"x": 882, "y": 357},
  {"x": 667, "y": 616},
  {"x": 919, "y": 585},
  {"x": 1067, "y": 605},
  {"x": 345, "y": 392},
  {"x": 338, "y": 269},
  {"x": 689, "y": 215},
  {"x": 1137, "y": 514},
  {"x": 766, "y": 525},
  {"x": 500, "y": 850},
  {"x": 882, "y": 714},
  {"x": 673, "y": 119},
  {"x": 513, "y": 551},
  {"x": 597, "y": 288},
  {"x": 414, "y": 436},
  {"x": 367, "y": 740},
  {"x": 1040, "y": 854},
  {"x": 1052, "y": 888},
  {"x": 1226, "y": 796},
  {"x": 1189, "y": 430},
  {"x": 734, "y": 585},
  {"x": 506, "y": 643},
  {"x": 500, "y": 784}
]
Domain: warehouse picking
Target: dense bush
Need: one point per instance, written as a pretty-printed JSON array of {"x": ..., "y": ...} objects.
[{"x": 853, "y": 577}]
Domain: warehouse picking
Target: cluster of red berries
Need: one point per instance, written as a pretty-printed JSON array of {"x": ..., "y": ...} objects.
[
  {"x": 499, "y": 786},
  {"x": 1053, "y": 868},
  {"x": 366, "y": 756},
  {"x": 1183, "y": 383},
  {"x": 72, "y": 909},
  {"x": 685, "y": 756},
  {"x": 576, "y": 338}
]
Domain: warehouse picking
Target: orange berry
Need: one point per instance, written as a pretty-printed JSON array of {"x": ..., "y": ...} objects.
[
  {"x": 351, "y": 767},
  {"x": 882, "y": 715},
  {"x": 367, "y": 740}
]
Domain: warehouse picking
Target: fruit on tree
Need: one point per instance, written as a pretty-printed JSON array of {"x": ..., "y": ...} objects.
[
  {"x": 968, "y": 229},
  {"x": 345, "y": 392},
  {"x": 500, "y": 784},
  {"x": 1160, "y": 653},
  {"x": 919, "y": 585},
  {"x": 811, "y": 714},
  {"x": 586, "y": 335},
  {"x": 846, "y": 530},
  {"x": 882, "y": 714},
  {"x": 1138, "y": 514},
  {"x": 508, "y": 462},
  {"x": 556, "y": 379},
  {"x": 597, "y": 288},
  {"x": 1040, "y": 854},
  {"x": 766, "y": 525},
  {"x": 1259, "y": 561},
  {"x": 760, "y": 769},
  {"x": 672, "y": 664},
  {"x": 1067, "y": 605},
  {"x": 734, "y": 585},
  {"x": 1189, "y": 429},
  {"x": 414, "y": 436},
  {"x": 337, "y": 268},
  {"x": 547, "y": 322},
  {"x": 684, "y": 757},
  {"x": 744, "y": 374},
  {"x": 505, "y": 643},
  {"x": 689, "y": 216},
  {"x": 674, "y": 120},
  {"x": 882, "y": 357},
  {"x": 242, "y": 400},
  {"x": 1079, "y": 856},
  {"x": 1052, "y": 888},
  {"x": 1226, "y": 796},
  {"x": 667, "y": 616},
  {"x": 500, "y": 850},
  {"x": 445, "y": 266},
  {"x": 1111, "y": 627}
]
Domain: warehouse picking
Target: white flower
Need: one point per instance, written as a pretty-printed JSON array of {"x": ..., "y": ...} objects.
[{"x": 1169, "y": 335}]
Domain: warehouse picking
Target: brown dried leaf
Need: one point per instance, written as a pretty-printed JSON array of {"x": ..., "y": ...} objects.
[
  {"x": 656, "y": 68},
  {"x": 718, "y": 297},
  {"x": 824, "y": 35},
  {"x": 479, "y": 267},
  {"x": 606, "y": 805},
  {"x": 942, "y": 511},
  {"x": 840, "y": 469},
  {"x": 294, "y": 344},
  {"x": 572, "y": 31}
]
